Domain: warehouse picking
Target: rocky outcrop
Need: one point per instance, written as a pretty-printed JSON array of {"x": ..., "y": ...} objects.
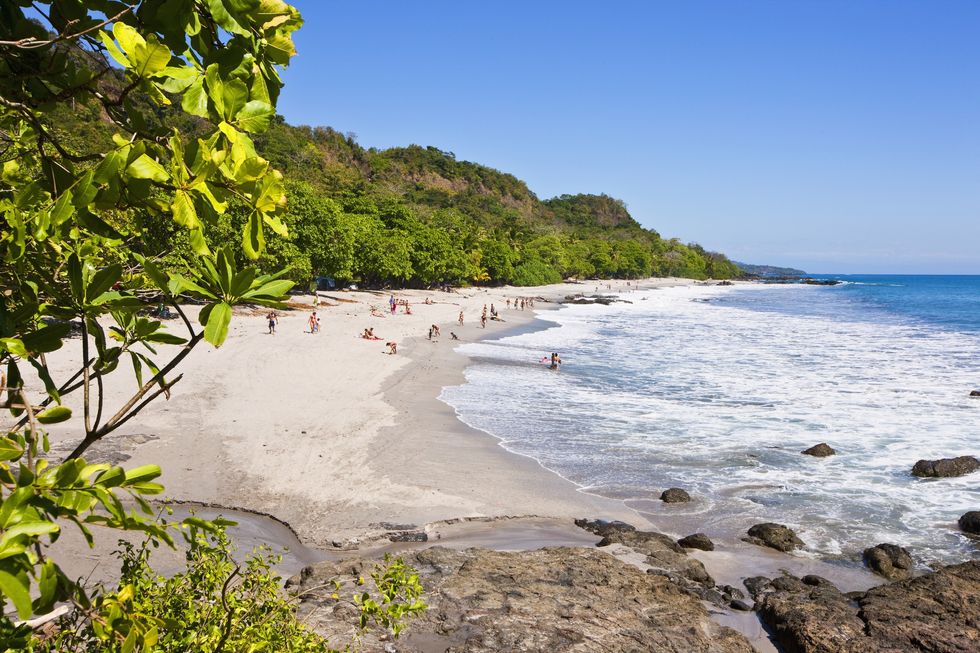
[
  {"x": 775, "y": 536},
  {"x": 697, "y": 541},
  {"x": 821, "y": 450},
  {"x": 938, "y": 612},
  {"x": 889, "y": 560},
  {"x": 970, "y": 522},
  {"x": 675, "y": 495},
  {"x": 560, "y": 599},
  {"x": 663, "y": 555},
  {"x": 946, "y": 467}
]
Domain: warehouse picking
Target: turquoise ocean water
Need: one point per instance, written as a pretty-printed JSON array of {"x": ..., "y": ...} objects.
[{"x": 718, "y": 389}]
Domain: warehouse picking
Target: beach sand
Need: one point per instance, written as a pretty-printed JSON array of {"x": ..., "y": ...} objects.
[{"x": 329, "y": 433}]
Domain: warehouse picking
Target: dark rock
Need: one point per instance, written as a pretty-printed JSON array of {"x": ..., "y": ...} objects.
[
  {"x": 663, "y": 555},
  {"x": 603, "y": 528},
  {"x": 756, "y": 585},
  {"x": 675, "y": 495},
  {"x": 414, "y": 536},
  {"x": 975, "y": 393},
  {"x": 946, "y": 467},
  {"x": 970, "y": 522},
  {"x": 889, "y": 560},
  {"x": 733, "y": 592},
  {"x": 560, "y": 600},
  {"x": 821, "y": 450},
  {"x": 738, "y": 604},
  {"x": 938, "y": 612},
  {"x": 389, "y": 526},
  {"x": 697, "y": 541},
  {"x": 775, "y": 536}
]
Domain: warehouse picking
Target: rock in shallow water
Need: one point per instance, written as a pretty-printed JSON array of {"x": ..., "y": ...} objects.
[
  {"x": 938, "y": 612},
  {"x": 560, "y": 600},
  {"x": 821, "y": 450},
  {"x": 697, "y": 541},
  {"x": 946, "y": 467},
  {"x": 970, "y": 522},
  {"x": 675, "y": 495},
  {"x": 889, "y": 560},
  {"x": 975, "y": 393},
  {"x": 775, "y": 536}
]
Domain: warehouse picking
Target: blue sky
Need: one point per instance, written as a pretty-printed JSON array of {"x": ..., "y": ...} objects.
[{"x": 829, "y": 135}]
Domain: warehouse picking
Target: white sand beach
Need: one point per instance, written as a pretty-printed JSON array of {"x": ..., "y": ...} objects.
[{"x": 331, "y": 434}]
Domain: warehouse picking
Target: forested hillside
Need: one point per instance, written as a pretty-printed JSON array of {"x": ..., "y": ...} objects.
[{"x": 417, "y": 216}]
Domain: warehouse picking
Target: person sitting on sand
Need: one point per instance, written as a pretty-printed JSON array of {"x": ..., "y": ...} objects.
[
  {"x": 428, "y": 300},
  {"x": 392, "y": 347}
]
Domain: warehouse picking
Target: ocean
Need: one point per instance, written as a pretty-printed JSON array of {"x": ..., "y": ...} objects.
[{"x": 717, "y": 390}]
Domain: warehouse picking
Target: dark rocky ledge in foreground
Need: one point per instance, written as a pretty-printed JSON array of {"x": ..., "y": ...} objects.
[
  {"x": 555, "y": 600},
  {"x": 640, "y": 591},
  {"x": 938, "y": 612}
]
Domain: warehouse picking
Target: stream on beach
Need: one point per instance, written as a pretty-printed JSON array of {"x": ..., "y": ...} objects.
[{"x": 717, "y": 390}]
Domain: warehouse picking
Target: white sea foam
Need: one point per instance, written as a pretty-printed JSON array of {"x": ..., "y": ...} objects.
[{"x": 687, "y": 389}]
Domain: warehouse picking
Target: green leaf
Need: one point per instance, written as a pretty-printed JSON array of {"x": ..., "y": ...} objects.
[
  {"x": 15, "y": 588},
  {"x": 255, "y": 116},
  {"x": 195, "y": 100},
  {"x": 111, "y": 478},
  {"x": 143, "y": 473},
  {"x": 234, "y": 94},
  {"x": 184, "y": 212},
  {"x": 10, "y": 450},
  {"x": 102, "y": 281},
  {"x": 198, "y": 242},
  {"x": 114, "y": 50},
  {"x": 216, "y": 329},
  {"x": 149, "y": 57},
  {"x": 54, "y": 415},
  {"x": 253, "y": 241},
  {"x": 146, "y": 168}
]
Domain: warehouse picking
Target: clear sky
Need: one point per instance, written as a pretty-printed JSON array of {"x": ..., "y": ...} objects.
[{"x": 831, "y": 135}]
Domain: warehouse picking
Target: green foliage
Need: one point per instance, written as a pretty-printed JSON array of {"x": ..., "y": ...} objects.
[
  {"x": 218, "y": 604},
  {"x": 398, "y": 596},
  {"x": 124, "y": 126}
]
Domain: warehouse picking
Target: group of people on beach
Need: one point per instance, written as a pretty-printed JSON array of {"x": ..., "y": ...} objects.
[{"x": 521, "y": 303}]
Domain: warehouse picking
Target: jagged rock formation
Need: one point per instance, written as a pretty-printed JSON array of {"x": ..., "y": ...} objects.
[{"x": 938, "y": 612}]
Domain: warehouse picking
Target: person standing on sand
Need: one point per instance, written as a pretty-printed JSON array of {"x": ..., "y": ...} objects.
[
  {"x": 508, "y": 302},
  {"x": 461, "y": 318},
  {"x": 393, "y": 304},
  {"x": 314, "y": 323},
  {"x": 273, "y": 321}
]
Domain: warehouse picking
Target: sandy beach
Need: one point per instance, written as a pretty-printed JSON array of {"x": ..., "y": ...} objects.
[{"x": 332, "y": 435}]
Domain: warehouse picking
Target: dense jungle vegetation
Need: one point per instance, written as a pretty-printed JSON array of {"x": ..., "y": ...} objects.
[{"x": 416, "y": 216}]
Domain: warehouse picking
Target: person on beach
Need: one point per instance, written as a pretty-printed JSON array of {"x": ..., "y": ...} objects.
[
  {"x": 392, "y": 304},
  {"x": 493, "y": 311},
  {"x": 392, "y": 347},
  {"x": 453, "y": 336},
  {"x": 461, "y": 318},
  {"x": 508, "y": 302},
  {"x": 314, "y": 323},
  {"x": 273, "y": 322},
  {"x": 555, "y": 361},
  {"x": 408, "y": 309},
  {"x": 483, "y": 321},
  {"x": 435, "y": 330}
]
